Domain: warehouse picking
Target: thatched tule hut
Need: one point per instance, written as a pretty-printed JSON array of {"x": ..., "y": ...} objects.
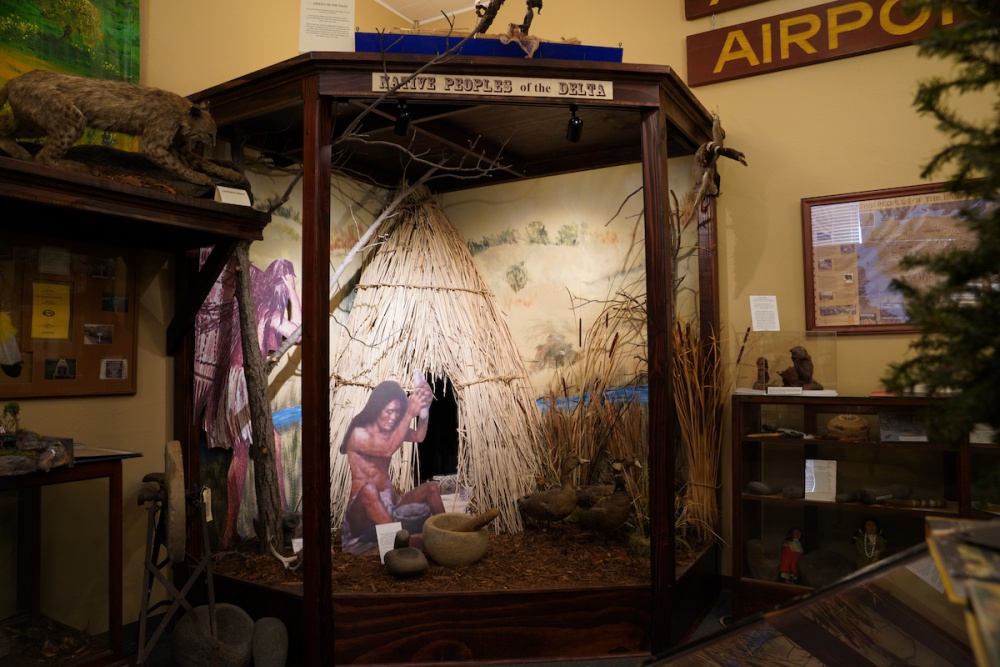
[{"x": 421, "y": 305}]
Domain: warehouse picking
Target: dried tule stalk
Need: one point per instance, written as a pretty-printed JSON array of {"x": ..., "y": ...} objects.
[{"x": 700, "y": 392}]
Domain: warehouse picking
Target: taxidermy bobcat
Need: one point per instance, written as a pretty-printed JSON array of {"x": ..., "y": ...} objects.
[{"x": 61, "y": 106}]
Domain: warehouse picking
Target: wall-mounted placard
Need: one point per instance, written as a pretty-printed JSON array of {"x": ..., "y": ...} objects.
[
  {"x": 67, "y": 319},
  {"x": 853, "y": 246}
]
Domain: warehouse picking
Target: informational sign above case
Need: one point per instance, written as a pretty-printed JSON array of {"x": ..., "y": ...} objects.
[
  {"x": 326, "y": 25},
  {"x": 495, "y": 86}
]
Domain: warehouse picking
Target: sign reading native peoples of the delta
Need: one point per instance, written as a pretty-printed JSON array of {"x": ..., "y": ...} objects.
[
  {"x": 805, "y": 37},
  {"x": 696, "y": 8}
]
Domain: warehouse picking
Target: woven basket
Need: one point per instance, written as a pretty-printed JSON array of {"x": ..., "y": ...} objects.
[{"x": 848, "y": 427}]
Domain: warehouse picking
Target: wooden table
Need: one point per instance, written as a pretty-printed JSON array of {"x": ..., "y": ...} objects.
[{"x": 96, "y": 464}]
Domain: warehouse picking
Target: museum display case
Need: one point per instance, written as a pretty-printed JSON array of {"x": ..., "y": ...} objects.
[
  {"x": 632, "y": 114},
  {"x": 825, "y": 466}
]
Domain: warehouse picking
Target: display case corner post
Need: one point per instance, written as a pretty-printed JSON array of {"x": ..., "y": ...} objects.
[
  {"x": 658, "y": 316},
  {"x": 316, "y": 519}
]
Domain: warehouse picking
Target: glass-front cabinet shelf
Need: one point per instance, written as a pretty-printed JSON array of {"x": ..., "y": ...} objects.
[{"x": 826, "y": 485}]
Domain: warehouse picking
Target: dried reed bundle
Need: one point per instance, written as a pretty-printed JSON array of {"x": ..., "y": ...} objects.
[
  {"x": 700, "y": 393},
  {"x": 421, "y": 305},
  {"x": 594, "y": 409}
]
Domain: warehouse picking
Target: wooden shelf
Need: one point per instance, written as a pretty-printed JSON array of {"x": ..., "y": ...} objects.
[
  {"x": 933, "y": 469},
  {"x": 71, "y": 205}
]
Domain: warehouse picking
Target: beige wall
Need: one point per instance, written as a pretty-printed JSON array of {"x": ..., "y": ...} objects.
[{"x": 831, "y": 128}]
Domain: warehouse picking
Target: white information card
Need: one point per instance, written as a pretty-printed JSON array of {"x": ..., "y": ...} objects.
[
  {"x": 386, "y": 534},
  {"x": 764, "y": 313},
  {"x": 326, "y": 25}
]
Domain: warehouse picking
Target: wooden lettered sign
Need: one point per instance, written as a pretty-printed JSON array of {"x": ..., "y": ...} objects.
[
  {"x": 697, "y": 8},
  {"x": 805, "y": 37}
]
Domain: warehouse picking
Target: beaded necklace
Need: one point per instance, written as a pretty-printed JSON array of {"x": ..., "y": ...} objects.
[{"x": 869, "y": 554}]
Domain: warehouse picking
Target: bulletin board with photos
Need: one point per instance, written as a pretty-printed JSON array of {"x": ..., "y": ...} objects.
[{"x": 67, "y": 319}]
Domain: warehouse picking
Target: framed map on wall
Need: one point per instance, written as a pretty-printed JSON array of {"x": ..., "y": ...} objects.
[{"x": 853, "y": 245}]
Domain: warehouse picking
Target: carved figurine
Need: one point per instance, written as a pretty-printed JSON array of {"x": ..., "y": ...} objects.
[
  {"x": 791, "y": 552},
  {"x": 763, "y": 377},
  {"x": 61, "y": 106},
  {"x": 869, "y": 543},
  {"x": 800, "y": 373}
]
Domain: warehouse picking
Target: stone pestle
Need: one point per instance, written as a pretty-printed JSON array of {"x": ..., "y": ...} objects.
[{"x": 476, "y": 522}]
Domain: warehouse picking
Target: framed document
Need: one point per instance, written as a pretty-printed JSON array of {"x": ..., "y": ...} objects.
[
  {"x": 853, "y": 244},
  {"x": 67, "y": 319}
]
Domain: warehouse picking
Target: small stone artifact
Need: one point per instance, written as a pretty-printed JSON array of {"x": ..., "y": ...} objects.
[
  {"x": 404, "y": 561},
  {"x": 193, "y": 645},
  {"x": 759, "y": 488}
]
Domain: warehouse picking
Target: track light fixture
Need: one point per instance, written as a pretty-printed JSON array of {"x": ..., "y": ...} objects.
[
  {"x": 574, "y": 129},
  {"x": 402, "y": 119}
]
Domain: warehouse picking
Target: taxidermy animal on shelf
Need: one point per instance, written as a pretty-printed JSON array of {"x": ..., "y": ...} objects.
[
  {"x": 61, "y": 107},
  {"x": 553, "y": 504}
]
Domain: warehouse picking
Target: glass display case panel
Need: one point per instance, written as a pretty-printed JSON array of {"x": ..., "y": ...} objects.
[{"x": 894, "y": 612}]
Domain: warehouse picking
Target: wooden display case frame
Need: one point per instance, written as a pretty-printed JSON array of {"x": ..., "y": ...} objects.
[{"x": 292, "y": 107}]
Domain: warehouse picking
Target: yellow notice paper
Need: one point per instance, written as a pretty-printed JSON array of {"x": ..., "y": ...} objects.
[{"x": 51, "y": 305}]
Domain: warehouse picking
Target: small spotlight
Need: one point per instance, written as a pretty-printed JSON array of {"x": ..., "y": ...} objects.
[
  {"x": 574, "y": 129},
  {"x": 402, "y": 119}
]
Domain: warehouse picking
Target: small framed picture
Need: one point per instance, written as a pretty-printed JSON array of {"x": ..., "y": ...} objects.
[{"x": 114, "y": 369}]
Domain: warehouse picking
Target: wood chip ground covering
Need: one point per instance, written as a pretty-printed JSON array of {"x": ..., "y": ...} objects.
[{"x": 560, "y": 557}]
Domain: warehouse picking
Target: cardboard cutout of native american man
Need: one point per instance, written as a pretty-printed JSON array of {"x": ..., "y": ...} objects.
[{"x": 373, "y": 436}]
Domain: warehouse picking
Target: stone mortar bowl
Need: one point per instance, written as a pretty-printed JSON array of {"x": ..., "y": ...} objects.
[{"x": 450, "y": 547}]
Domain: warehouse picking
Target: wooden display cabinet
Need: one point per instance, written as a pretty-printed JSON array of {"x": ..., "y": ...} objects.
[
  {"x": 294, "y": 110},
  {"x": 896, "y": 457}
]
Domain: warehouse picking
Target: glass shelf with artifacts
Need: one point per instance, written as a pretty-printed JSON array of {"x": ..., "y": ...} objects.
[{"x": 827, "y": 485}]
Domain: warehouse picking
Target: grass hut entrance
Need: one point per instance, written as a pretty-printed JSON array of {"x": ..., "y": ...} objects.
[{"x": 437, "y": 455}]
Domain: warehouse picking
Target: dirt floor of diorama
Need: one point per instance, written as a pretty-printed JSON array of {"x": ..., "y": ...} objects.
[{"x": 559, "y": 557}]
